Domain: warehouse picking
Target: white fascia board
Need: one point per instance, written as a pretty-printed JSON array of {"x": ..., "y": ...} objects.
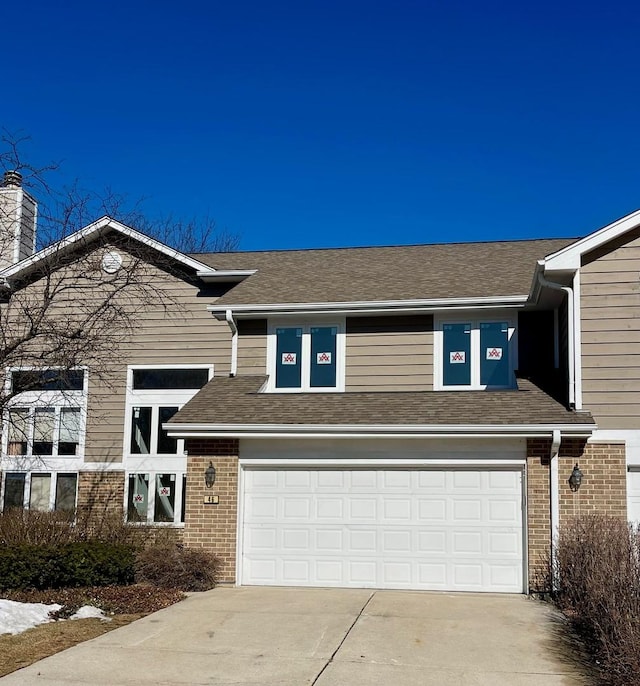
[
  {"x": 225, "y": 275},
  {"x": 372, "y": 431},
  {"x": 377, "y": 462},
  {"x": 366, "y": 307},
  {"x": 93, "y": 230},
  {"x": 568, "y": 259}
]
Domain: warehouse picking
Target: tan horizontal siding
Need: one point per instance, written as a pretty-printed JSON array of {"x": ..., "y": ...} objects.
[
  {"x": 389, "y": 353},
  {"x": 610, "y": 323},
  {"x": 629, "y": 335},
  {"x": 252, "y": 354},
  {"x": 597, "y": 373}
]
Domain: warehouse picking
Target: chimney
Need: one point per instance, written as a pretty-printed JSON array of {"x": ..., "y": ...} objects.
[{"x": 18, "y": 216}]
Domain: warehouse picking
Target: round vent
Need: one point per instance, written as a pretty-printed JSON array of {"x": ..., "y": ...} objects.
[{"x": 111, "y": 262}]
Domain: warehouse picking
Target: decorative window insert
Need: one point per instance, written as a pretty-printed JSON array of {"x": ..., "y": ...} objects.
[
  {"x": 156, "y": 498},
  {"x": 154, "y": 395},
  {"x": 47, "y": 415},
  {"x": 40, "y": 490},
  {"x": 308, "y": 357},
  {"x": 475, "y": 354}
]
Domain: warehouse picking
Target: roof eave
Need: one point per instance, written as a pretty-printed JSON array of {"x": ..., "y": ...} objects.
[
  {"x": 388, "y": 430},
  {"x": 367, "y": 307},
  {"x": 568, "y": 259},
  {"x": 89, "y": 233}
]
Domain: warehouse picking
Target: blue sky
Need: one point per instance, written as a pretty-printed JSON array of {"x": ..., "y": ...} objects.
[{"x": 310, "y": 124}]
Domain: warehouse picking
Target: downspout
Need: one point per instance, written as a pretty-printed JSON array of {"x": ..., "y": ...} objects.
[
  {"x": 228, "y": 315},
  {"x": 571, "y": 332},
  {"x": 554, "y": 498}
]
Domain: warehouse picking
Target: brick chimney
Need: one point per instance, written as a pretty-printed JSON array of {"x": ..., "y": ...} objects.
[{"x": 18, "y": 216}]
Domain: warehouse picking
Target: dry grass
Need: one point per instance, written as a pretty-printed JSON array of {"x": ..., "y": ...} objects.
[
  {"x": 42, "y": 641},
  {"x": 123, "y": 604}
]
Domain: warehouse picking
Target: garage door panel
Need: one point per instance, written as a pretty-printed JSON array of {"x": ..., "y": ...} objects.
[{"x": 421, "y": 529}]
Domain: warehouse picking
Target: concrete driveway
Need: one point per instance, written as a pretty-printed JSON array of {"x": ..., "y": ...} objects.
[{"x": 323, "y": 637}]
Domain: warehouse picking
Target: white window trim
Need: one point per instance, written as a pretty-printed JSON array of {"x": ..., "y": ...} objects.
[
  {"x": 474, "y": 320},
  {"x": 306, "y": 325},
  {"x": 32, "y": 400},
  {"x": 26, "y": 497},
  {"x": 152, "y": 473},
  {"x": 155, "y": 399}
]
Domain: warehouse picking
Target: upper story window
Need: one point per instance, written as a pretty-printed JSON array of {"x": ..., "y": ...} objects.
[
  {"x": 306, "y": 357},
  {"x": 154, "y": 395},
  {"x": 47, "y": 414},
  {"x": 475, "y": 354}
]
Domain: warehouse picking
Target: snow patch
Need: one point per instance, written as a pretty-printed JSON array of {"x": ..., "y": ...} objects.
[{"x": 18, "y": 617}]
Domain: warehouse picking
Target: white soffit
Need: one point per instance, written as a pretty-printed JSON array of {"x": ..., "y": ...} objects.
[{"x": 569, "y": 258}]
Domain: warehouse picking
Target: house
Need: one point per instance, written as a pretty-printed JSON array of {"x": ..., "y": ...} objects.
[{"x": 395, "y": 417}]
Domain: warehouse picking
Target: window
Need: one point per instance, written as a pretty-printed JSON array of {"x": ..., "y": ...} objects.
[
  {"x": 40, "y": 491},
  {"x": 46, "y": 418},
  {"x": 475, "y": 354},
  {"x": 154, "y": 395},
  {"x": 306, "y": 358},
  {"x": 156, "y": 498}
]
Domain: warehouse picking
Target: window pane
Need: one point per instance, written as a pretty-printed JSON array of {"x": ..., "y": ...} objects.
[
  {"x": 44, "y": 422},
  {"x": 166, "y": 445},
  {"x": 66, "y": 492},
  {"x": 48, "y": 380},
  {"x": 69, "y": 431},
  {"x": 288, "y": 357},
  {"x": 184, "y": 497},
  {"x": 14, "y": 490},
  {"x": 494, "y": 354},
  {"x": 138, "y": 498},
  {"x": 456, "y": 348},
  {"x": 165, "y": 498},
  {"x": 18, "y": 431},
  {"x": 141, "y": 430},
  {"x": 323, "y": 356},
  {"x": 153, "y": 379},
  {"x": 40, "y": 490}
]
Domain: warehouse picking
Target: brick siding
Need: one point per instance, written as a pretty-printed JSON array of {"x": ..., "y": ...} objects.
[
  {"x": 213, "y": 527},
  {"x": 538, "y": 501},
  {"x": 604, "y": 482},
  {"x": 101, "y": 494},
  {"x": 603, "y": 490}
]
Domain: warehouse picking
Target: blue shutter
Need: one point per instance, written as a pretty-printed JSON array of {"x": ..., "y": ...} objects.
[
  {"x": 494, "y": 354},
  {"x": 288, "y": 357},
  {"x": 456, "y": 363},
  {"x": 323, "y": 356}
]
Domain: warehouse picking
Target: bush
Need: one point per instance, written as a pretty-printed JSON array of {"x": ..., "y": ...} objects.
[
  {"x": 597, "y": 571},
  {"x": 18, "y": 527},
  {"x": 88, "y": 563},
  {"x": 172, "y": 566}
]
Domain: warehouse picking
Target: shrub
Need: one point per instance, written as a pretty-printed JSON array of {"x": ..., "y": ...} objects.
[
  {"x": 18, "y": 527},
  {"x": 85, "y": 563},
  {"x": 172, "y": 566},
  {"x": 597, "y": 571}
]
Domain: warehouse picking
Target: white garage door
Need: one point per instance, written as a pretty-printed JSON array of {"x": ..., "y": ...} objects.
[
  {"x": 633, "y": 493},
  {"x": 457, "y": 530}
]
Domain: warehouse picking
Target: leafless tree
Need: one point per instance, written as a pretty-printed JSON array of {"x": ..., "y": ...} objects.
[{"x": 69, "y": 311}]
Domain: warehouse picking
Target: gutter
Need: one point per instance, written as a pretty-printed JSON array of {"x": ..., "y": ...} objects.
[
  {"x": 234, "y": 342},
  {"x": 177, "y": 430},
  {"x": 370, "y": 307},
  {"x": 571, "y": 333}
]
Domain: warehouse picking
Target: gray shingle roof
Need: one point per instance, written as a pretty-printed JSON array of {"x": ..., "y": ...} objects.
[
  {"x": 233, "y": 401},
  {"x": 415, "y": 272}
]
